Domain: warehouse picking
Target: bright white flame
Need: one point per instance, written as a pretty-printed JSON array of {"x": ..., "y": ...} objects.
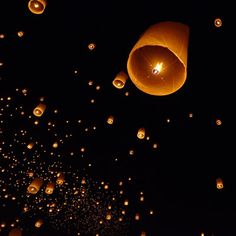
[{"x": 157, "y": 69}]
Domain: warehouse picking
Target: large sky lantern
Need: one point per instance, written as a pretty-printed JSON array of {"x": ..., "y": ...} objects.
[
  {"x": 35, "y": 186},
  {"x": 157, "y": 64},
  {"x": 37, "y": 6}
]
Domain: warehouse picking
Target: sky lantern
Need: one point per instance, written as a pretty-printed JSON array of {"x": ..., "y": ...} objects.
[
  {"x": 120, "y": 80},
  {"x": 39, "y": 110},
  {"x": 110, "y": 120},
  {"x": 35, "y": 186},
  {"x": 219, "y": 183},
  {"x": 157, "y": 64},
  {"x": 37, "y": 6},
  {"x": 141, "y": 133},
  {"x": 38, "y": 223},
  {"x": 60, "y": 178},
  {"x": 50, "y": 188}
]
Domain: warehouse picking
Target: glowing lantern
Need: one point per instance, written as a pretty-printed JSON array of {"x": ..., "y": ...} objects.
[
  {"x": 60, "y": 179},
  {"x": 30, "y": 145},
  {"x": 37, "y": 6},
  {"x": 137, "y": 216},
  {"x": 35, "y": 186},
  {"x": 38, "y": 223},
  {"x": 20, "y": 34},
  {"x": 141, "y": 133},
  {"x": 91, "y": 46},
  {"x": 157, "y": 64},
  {"x": 50, "y": 187},
  {"x": 218, "y": 22},
  {"x": 108, "y": 216},
  {"x": 110, "y": 120},
  {"x": 55, "y": 145},
  {"x": 219, "y": 183},
  {"x": 143, "y": 233},
  {"x": 126, "y": 202},
  {"x": 120, "y": 80},
  {"x": 15, "y": 232},
  {"x": 39, "y": 110}
]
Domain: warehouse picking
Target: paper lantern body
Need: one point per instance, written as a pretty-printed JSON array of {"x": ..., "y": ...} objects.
[
  {"x": 37, "y": 6},
  {"x": 141, "y": 133},
  {"x": 50, "y": 188},
  {"x": 39, "y": 110},
  {"x": 38, "y": 223},
  {"x": 60, "y": 179},
  {"x": 120, "y": 80},
  {"x": 219, "y": 183},
  {"x": 157, "y": 64},
  {"x": 110, "y": 120},
  {"x": 35, "y": 186}
]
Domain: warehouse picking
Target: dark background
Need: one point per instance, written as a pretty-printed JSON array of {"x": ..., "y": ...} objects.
[{"x": 179, "y": 177}]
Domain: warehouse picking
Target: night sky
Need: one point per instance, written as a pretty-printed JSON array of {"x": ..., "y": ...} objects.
[{"x": 114, "y": 182}]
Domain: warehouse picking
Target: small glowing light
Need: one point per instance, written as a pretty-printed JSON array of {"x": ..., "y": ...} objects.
[
  {"x": 151, "y": 212},
  {"x": 218, "y": 122},
  {"x": 20, "y": 34},
  {"x": 55, "y": 145},
  {"x": 202, "y": 234},
  {"x": 2, "y": 36},
  {"x": 126, "y": 202},
  {"x": 106, "y": 186},
  {"x": 108, "y": 217},
  {"x": 131, "y": 152},
  {"x": 127, "y": 94},
  {"x": 141, "y": 198},
  {"x": 90, "y": 83},
  {"x": 92, "y": 100},
  {"x": 168, "y": 120},
  {"x": 91, "y": 46},
  {"x": 157, "y": 69},
  {"x": 155, "y": 145},
  {"x": 218, "y": 22},
  {"x": 137, "y": 216},
  {"x": 36, "y": 122},
  {"x": 98, "y": 87},
  {"x": 1, "y": 63}
]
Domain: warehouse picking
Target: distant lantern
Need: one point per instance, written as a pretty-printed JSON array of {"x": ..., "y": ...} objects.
[
  {"x": 15, "y": 232},
  {"x": 37, "y": 6},
  {"x": 120, "y": 80},
  {"x": 55, "y": 145},
  {"x": 49, "y": 188},
  {"x": 141, "y": 133},
  {"x": 91, "y": 46},
  {"x": 157, "y": 64},
  {"x": 39, "y": 110},
  {"x": 218, "y": 22},
  {"x": 20, "y": 33},
  {"x": 35, "y": 186},
  {"x": 143, "y": 233},
  {"x": 38, "y": 223},
  {"x": 219, "y": 183},
  {"x": 137, "y": 216},
  {"x": 110, "y": 120},
  {"x": 126, "y": 202},
  {"x": 30, "y": 145},
  {"x": 60, "y": 179},
  {"x": 218, "y": 122}
]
